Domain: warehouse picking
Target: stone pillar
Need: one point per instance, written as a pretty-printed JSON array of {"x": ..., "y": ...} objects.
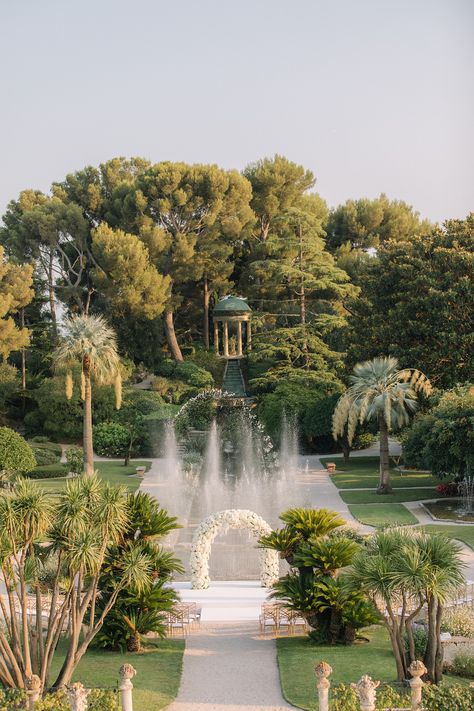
[
  {"x": 416, "y": 669},
  {"x": 77, "y": 696},
  {"x": 249, "y": 335},
  {"x": 127, "y": 672},
  {"x": 216, "y": 337},
  {"x": 239, "y": 338},
  {"x": 365, "y": 689},
  {"x": 322, "y": 671},
  {"x": 33, "y": 691},
  {"x": 226, "y": 339}
]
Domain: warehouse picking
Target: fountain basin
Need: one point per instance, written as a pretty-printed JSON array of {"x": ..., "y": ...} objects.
[{"x": 449, "y": 510}]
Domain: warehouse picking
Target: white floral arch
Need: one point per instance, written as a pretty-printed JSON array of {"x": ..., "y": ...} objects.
[{"x": 223, "y": 520}]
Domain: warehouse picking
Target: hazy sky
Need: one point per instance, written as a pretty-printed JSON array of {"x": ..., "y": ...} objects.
[{"x": 372, "y": 95}]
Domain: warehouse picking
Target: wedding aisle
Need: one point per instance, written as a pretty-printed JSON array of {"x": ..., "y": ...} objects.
[{"x": 229, "y": 667}]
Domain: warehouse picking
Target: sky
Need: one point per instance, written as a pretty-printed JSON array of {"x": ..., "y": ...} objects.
[{"x": 371, "y": 95}]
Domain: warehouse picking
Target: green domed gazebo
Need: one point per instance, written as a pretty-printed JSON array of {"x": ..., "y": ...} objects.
[{"x": 232, "y": 310}]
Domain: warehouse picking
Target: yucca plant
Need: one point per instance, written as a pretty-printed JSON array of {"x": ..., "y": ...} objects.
[
  {"x": 91, "y": 343},
  {"x": 380, "y": 392}
]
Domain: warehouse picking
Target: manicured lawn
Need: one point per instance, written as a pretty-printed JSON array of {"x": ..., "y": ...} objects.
[
  {"x": 371, "y": 497},
  {"x": 158, "y": 672},
  {"x": 114, "y": 472},
  {"x": 297, "y": 657},
  {"x": 462, "y": 532},
  {"x": 382, "y": 514},
  {"x": 362, "y": 472}
]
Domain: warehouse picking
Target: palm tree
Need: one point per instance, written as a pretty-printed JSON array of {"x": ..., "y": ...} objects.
[
  {"x": 381, "y": 392},
  {"x": 91, "y": 343},
  {"x": 401, "y": 571}
]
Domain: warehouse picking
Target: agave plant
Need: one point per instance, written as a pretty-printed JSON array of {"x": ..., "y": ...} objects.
[{"x": 382, "y": 392}]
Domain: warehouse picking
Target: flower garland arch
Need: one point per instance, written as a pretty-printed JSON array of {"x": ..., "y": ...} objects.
[{"x": 223, "y": 520}]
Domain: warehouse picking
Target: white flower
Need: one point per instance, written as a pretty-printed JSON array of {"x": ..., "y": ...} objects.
[{"x": 208, "y": 530}]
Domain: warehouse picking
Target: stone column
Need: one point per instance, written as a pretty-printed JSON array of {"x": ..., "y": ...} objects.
[
  {"x": 33, "y": 691},
  {"x": 416, "y": 669},
  {"x": 226, "y": 339},
  {"x": 249, "y": 335},
  {"x": 77, "y": 696},
  {"x": 216, "y": 337},
  {"x": 322, "y": 671},
  {"x": 239, "y": 338},
  {"x": 365, "y": 689},
  {"x": 127, "y": 672}
]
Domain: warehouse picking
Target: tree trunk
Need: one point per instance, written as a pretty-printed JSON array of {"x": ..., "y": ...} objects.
[
  {"x": 439, "y": 655},
  {"x": 87, "y": 430},
  {"x": 302, "y": 298},
  {"x": 205, "y": 300},
  {"x": 23, "y": 356},
  {"x": 346, "y": 450},
  {"x": 52, "y": 298},
  {"x": 171, "y": 336},
  {"x": 384, "y": 484}
]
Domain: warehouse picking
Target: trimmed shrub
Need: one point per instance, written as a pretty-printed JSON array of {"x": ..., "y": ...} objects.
[
  {"x": 12, "y": 699},
  {"x": 15, "y": 453},
  {"x": 45, "y": 454},
  {"x": 462, "y": 665},
  {"x": 452, "y": 698},
  {"x": 344, "y": 698},
  {"x": 40, "y": 439},
  {"x": 49, "y": 471},
  {"x": 75, "y": 460},
  {"x": 111, "y": 439},
  {"x": 98, "y": 700},
  {"x": 458, "y": 621}
]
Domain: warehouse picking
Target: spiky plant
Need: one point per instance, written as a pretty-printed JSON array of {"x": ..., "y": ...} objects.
[
  {"x": 91, "y": 343},
  {"x": 382, "y": 392},
  {"x": 326, "y": 555}
]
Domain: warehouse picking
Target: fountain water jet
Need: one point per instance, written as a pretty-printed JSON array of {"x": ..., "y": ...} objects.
[
  {"x": 289, "y": 445},
  {"x": 466, "y": 491}
]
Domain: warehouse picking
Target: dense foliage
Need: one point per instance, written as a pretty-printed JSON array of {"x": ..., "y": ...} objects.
[
  {"x": 16, "y": 456},
  {"x": 442, "y": 439},
  {"x": 315, "y": 586}
]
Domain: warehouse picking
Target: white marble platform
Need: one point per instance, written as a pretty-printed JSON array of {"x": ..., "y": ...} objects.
[{"x": 226, "y": 601}]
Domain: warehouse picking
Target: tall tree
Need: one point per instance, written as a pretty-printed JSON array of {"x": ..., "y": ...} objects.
[
  {"x": 175, "y": 207},
  {"x": 368, "y": 223},
  {"x": 126, "y": 276},
  {"x": 380, "y": 391},
  {"x": 89, "y": 342},
  {"x": 417, "y": 303},
  {"x": 15, "y": 293}
]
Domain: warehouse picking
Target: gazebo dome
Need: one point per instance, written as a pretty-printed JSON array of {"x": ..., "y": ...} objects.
[{"x": 231, "y": 305}]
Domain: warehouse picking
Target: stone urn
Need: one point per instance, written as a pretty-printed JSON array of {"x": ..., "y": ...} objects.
[
  {"x": 331, "y": 467},
  {"x": 140, "y": 471}
]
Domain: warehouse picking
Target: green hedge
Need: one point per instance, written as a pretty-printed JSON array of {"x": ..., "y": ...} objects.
[
  {"x": 50, "y": 471},
  {"x": 46, "y": 453},
  {"x": 435, "y": 698}
]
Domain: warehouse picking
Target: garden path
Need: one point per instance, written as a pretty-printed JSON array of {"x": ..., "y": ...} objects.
[{"x": 229, "y": 667}]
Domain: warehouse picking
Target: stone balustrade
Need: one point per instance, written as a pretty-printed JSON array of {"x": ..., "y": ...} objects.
[
  {"x": 366, "y": 688},
  {"x": 77, "y": 693}
]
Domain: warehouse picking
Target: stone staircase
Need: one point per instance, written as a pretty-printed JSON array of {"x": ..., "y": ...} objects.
[{"x": 233, "y": 381}]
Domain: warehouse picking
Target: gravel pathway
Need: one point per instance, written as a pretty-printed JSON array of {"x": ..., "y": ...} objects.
[{"x": 229, "y": 667}]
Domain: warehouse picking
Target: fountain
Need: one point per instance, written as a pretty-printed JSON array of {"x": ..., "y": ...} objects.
[
  {"x": 234, "y": 467},
  {"x": 289, "y": 445},
  {"x": 466, "y": 491},
  {"x": 459, "y": 509},
  {"x": 171, "y": 461}
]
